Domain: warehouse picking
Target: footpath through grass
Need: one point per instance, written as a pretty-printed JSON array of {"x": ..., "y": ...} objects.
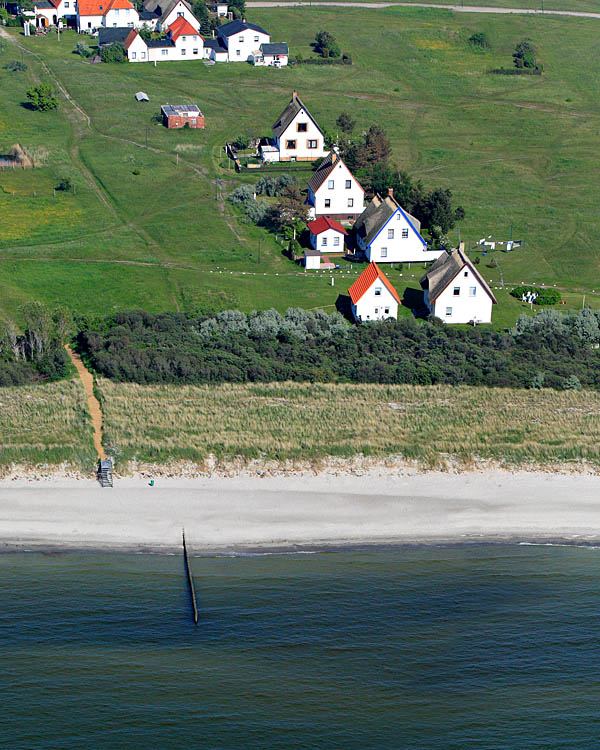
[{"x": 309, "y": 422}]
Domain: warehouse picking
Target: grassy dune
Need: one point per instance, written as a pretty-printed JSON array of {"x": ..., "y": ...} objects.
[
  {"x": 312, "y": 421},
  {"x": 46, "y": 424}
]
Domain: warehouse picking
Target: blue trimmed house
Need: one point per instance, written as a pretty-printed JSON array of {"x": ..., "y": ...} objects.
[{"x": 386, "y": 233}]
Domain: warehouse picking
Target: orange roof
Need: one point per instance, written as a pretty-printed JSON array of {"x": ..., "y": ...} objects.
[
  {"x": 101, "y": 7},
  {"x": 130, "y": 38},
  {"x": 323, "y": 223},
  {"x": 366, "y": 280},
  {"x": 179, "y": 27}
]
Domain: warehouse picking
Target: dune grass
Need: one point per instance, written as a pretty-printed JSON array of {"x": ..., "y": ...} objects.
[
  {"x": 288, "y": 421},
  {"x": 46, "y": 425}
]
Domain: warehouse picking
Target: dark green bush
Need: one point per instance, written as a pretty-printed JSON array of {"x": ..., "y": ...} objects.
[{"x": 544, "y": 296}]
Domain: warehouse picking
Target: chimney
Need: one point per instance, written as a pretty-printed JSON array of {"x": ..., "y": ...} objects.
[
  {"x": 294, "y": 96},
  {"x": 391, "y": 192},
  {"x": 334, "y": 157},
  {"x": 243, "y": 20}
]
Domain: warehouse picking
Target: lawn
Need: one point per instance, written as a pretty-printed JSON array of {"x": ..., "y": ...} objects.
[{"x": 518, "y": 152}]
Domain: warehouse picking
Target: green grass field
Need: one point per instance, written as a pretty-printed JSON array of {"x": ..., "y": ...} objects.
[{"x": 520, "y": 151}]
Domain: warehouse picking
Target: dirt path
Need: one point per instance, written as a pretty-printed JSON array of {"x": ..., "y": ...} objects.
[
  {"x": 93, "y": 404},
  {"x": 457, "y": 8}
]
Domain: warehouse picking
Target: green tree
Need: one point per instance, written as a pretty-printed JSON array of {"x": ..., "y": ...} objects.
[
  {"x": 113, "y": 53},
  {"x": 82, "y": 49},
  {"x": 436, "y": 209},
  {"x": 290, "y": 211},
  {"x": 524, "y": 54},
  {"x": 240, "y": 5},
  {"x": 345, "y": 123},
  {"x": 201, "y": 12},
  {"x": 42, "y": 97},
  {"x": 326, "y": 45}
]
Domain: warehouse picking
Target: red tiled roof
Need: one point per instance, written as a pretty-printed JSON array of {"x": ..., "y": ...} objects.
[
  {"x": 366, "y": 280},
  {"x": 100, "y": 7},
  {"x": 180, "y": 27},
  {"x": 323, "y": 223},
  {"x": 130, "y": 38}
]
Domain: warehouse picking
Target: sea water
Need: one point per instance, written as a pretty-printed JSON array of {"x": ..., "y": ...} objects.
[{"x": 473, "y": 646}]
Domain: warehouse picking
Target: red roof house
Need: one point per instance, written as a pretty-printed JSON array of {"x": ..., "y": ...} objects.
[
  {"x": 373, "y": 296},
  {"x": 327, "y": 235}
]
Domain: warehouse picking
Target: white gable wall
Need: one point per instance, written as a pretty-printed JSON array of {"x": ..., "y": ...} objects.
[
  {"x": 472, "y": 303},
  {"x": 180, "y": 10},
  {"x": 137, "y": 50},
  {"x": 302, "y": 139},
  {"x": 346, "y": 197},
  {"x": 376, "y": 306},
  {"x": 244, "y": 43},
  {"x": 398, "y": 242},
  {"x": 190, "y": 47},
  {"x": 121, "y": 17},
  {"x": 329, "y": 241}
]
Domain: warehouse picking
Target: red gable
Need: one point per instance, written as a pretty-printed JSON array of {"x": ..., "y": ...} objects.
[
  {"x": 366, "y": 280},
  {"x": 181, "y": 27},
  {"x": 323, "y": 223}
]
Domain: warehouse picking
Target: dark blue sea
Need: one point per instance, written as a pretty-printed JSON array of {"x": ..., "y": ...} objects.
[{"x": 477, "y": 646}]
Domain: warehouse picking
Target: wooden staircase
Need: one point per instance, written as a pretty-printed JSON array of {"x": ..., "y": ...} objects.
[{"x": 105, "y": 476}]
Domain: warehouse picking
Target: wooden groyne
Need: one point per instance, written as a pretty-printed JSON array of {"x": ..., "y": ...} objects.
[{"x": 190, "y": 580}]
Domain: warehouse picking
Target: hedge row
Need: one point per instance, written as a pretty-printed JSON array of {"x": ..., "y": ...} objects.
[
  {"x": 544, "y": 296},
  {"x": 537, "y": 71}
]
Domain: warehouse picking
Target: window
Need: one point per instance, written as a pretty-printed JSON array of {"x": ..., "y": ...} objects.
[
  {"x": 66, "y": 5},
  {"x": 256, "y": 38},
  {"x": 472, "y": 291},
  {"x": 324, "y": 242},
  {"x": 448, "y": 312},
  {"x": 126, "y": 11},
  {"x": 350, "y": 202},
  {"x": 348, "y": 184},
  {"x": 183, "y": 51},
  {"x": 327, "y": 202},
  {"x": 130, "y": 25},
  {"x": 241, "y": 40},
  {"x": 384, "y": 252},
  {"x": 183, "y": 39},
  {"x": 390, "y": 234},
  {"x": 143, "y": 55},
  {"x": 378, "y": 291},
  {"x": 376, "y": 311},
  {"x": 164, "y": 51},
  {"x": 195, "y": 38},
  {"x": 456, "y": 291},
  {"x": 466, "y": 273},
  {"x": 179, "y": 13},
  {"x": 336, "y": 241},
  {"x": 237, "y": 52},
  {"x": 405, "y": 234},
  {"x": 116, "y": 11},
  {"x": 133, "y": 55},
  {"x": 386, "y": 310},
  {"x": 311, "y": 144},
  {"x": 302, "y": 127},
  {"x": 114, "y": 24},
  {"x": 194, "y": 51},
  {"x": 290, "y": 144},
  {"x": 330, "y": 184}
]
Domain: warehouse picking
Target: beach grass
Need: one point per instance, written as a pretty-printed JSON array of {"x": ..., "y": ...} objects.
[
  {"x": 280, "y": 422},
  {"x": 44, "y": 426}
]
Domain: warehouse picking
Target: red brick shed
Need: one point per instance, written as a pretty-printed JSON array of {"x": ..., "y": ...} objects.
[{"x": 180, "y": 115}]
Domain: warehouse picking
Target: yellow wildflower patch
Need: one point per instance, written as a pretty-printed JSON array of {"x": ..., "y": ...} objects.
[
  {"x": 433, "y": 44},
  {"x": 26, "y": 217}
]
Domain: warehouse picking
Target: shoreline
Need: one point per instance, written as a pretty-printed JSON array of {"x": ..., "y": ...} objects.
[{"x": 300, "y": 513}]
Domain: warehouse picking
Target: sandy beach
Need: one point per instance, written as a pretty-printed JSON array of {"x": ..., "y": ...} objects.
[{"x": 225, "y": 514}]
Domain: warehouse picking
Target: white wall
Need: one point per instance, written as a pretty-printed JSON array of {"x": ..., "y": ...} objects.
[
  {"x": 163, "y": 54},
  {"x": 89, "y": 22},
  {"x": 465, "y": 307},
  {"x": 404, "y": 246},
  {"x": 189, "y": 43},
  {"x": 301, "y": 152},
  {"x": 373, "y": 306},
  {"x": 270, "y": 59},
  {"x": 334, "y": 189},
  {"x": 244, "y": 43},
  {"x": 138, "y": 52},
  {"x": 121, "y": 17},
  {"x": 326, "y": 241},
  {"x": 180, "y": 9}
]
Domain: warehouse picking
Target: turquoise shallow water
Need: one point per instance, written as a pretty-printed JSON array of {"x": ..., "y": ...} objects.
[{"x": 481, "y": 646}]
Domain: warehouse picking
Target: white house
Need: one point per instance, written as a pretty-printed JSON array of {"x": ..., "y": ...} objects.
[
  {"x": 312, "y": 259},
  {"x": 327, "y": 235},
  {"x": 388, "y": 234},
  {"x": 182, "y": 42},
  {"x": 275, "y": 54},
  {"x": 160, "y": 14},
  {"x": 334, "y": 191},
  {"x": 372, "y": 296},
  {"x": 49, "y": 12},
  {"x": 95, "y": 14},
  {"x": 455, "y": 292},
  {"x": 296, "y": 134},
  {"x": 242, "y": 39}
]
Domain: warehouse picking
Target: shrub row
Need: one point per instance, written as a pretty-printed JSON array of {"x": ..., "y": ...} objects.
[
  {"x": 343, "y": 60},
  {"x": 544, "y": 296},
  {"x": 537, "y": 71}
]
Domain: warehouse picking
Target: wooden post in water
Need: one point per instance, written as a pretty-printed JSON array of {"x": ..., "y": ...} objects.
[{"x": 188, "y": 571}]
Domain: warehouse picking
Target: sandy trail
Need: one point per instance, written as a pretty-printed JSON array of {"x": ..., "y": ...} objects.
[{"x": 93, "y": 404}]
